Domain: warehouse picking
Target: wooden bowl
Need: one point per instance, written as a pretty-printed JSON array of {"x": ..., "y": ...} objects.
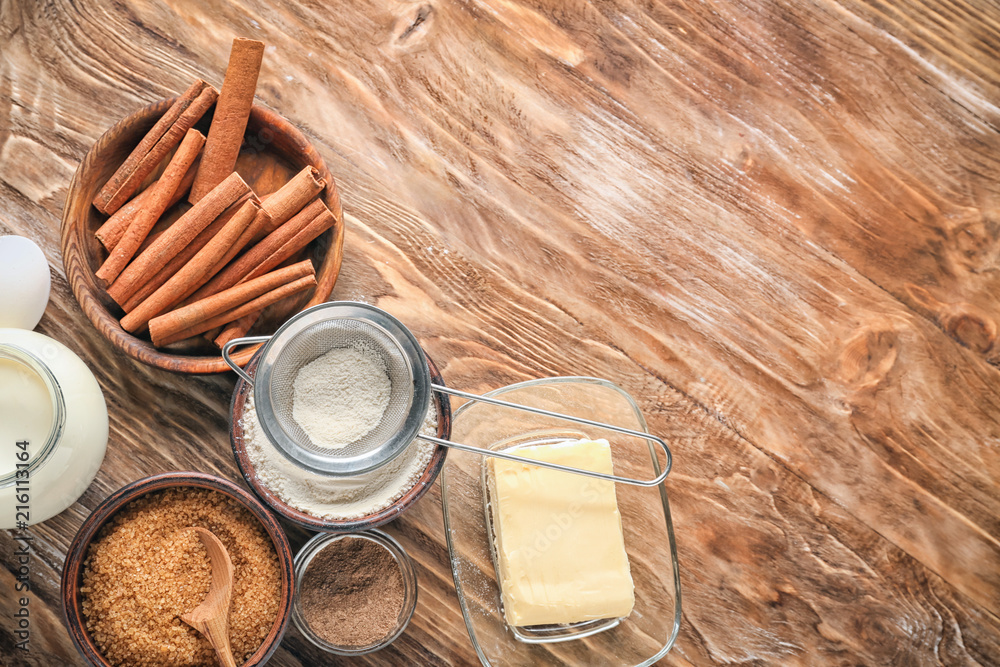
[
  {"x": 422, "y": 485},
  {"x": 273, "y": 151},
  {"x": 72, "y": 577}
]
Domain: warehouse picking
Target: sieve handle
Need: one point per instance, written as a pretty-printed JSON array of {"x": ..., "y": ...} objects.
[
  {"x": 555, "y": 466},
  {"x": 236, "y": 342}
]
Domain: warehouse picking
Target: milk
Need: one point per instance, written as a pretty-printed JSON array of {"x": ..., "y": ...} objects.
[{"x": 25, "y": 413}]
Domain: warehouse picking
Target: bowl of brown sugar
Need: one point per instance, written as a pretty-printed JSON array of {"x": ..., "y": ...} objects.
[
  {"x": 355, "y": 593},
  {"x": 135, "y": 567}
]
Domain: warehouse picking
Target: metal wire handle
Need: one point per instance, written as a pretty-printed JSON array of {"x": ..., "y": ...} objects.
[
  {"x": 503, "y": 455},
  {"x": 545, "y": 464},
  {"x": 236, "y": 342}
]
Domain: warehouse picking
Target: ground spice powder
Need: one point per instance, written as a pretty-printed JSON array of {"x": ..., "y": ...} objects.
[{"x": 352, "y": 592}]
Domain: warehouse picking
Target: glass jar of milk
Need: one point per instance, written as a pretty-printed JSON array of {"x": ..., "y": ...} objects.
[{"x": 53, "y": 427}]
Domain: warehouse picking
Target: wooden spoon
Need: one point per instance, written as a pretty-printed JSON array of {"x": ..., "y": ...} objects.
[{"x": 211, "y": 617}]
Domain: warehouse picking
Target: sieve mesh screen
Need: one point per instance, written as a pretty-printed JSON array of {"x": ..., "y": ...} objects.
[{"x": 316, "y": 340}]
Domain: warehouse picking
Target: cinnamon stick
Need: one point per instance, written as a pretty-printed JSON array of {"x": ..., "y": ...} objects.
[
  {"x": 262, "y": 221},
  {"x": 236, "y": 329},
  {"x": 258, "y": 223},
  {"x": 231, "y": 114},
  {"x": 114, "y": 227},
  {"x": 163, "y": 191},
  {"x": 260, "y": 252},
  {"x": 292, "y": 197},
  {"x": 258, "y": 304},
  {"x": 316, "y": 226},
  {"x": 182, "y": 258},
  {"x": 199, "y": 242},
  {"x": 176, "y": 237},
  {"x": 319, "y": 224},
  {"x": 166, "y": 133},
  {"x": 203, "y": 315},
  {"x": 146, "y": 143},
  {"x": 212, "y": 333},
  {"x": 194, "y": 273},
  {"x": 110, "y": 233},
  {"x": 151, "y": 239}
]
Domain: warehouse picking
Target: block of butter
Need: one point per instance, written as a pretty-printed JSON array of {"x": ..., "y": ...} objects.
[{"x": 559, "y": 546}]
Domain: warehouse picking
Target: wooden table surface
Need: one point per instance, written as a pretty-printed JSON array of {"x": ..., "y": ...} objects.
[{"x": 775, "y": 223}]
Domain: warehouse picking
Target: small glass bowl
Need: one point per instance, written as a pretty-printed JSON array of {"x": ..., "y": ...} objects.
[{"x": 311, "y": 548}]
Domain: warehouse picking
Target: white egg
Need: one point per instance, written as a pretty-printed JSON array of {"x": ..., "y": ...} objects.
[{"x": 24, "y": 283}]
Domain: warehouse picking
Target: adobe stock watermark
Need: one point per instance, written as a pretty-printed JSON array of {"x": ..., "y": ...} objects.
[
  {"x": 22, "y": 552},
  {"x": 562, "y": 522},
  {"x": 257, "y": 143}
]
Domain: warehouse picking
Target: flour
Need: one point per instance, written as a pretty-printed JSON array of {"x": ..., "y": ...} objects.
[
  {"x": 340, "y": 396},
  {"x": 337, "y": 498}
]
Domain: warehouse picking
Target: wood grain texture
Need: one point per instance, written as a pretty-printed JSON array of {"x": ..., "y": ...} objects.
[{"x": 775, "y": 223}]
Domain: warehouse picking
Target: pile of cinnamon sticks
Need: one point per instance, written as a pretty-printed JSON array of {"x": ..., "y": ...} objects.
[{"x": 220, "y": 264}]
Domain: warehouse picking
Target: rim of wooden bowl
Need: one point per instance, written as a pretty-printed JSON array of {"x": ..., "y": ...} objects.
[
  {"x": 74, "y": 233},
  {"x": 73, "y": 568},
  {"x": 300, "y": 518}
]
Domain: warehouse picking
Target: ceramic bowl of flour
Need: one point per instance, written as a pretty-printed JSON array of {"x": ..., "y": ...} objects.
[{"x": 336, "y": 504}]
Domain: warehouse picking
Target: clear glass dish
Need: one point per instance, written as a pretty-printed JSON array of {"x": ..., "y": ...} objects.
[{"x": 649, "y": 632}]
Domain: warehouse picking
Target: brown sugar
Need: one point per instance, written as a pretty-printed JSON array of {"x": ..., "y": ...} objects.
[
  {"x": 144, "y": 571},
  {"x": 352, "y": 592}
]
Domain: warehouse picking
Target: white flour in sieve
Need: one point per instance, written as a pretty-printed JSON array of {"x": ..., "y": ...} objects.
[
  {"x": 338, "y": 498},
  {"x": 340, "y": 396}
]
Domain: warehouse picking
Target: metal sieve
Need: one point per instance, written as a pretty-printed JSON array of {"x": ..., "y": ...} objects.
[{"x": 359, "y": 326}]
